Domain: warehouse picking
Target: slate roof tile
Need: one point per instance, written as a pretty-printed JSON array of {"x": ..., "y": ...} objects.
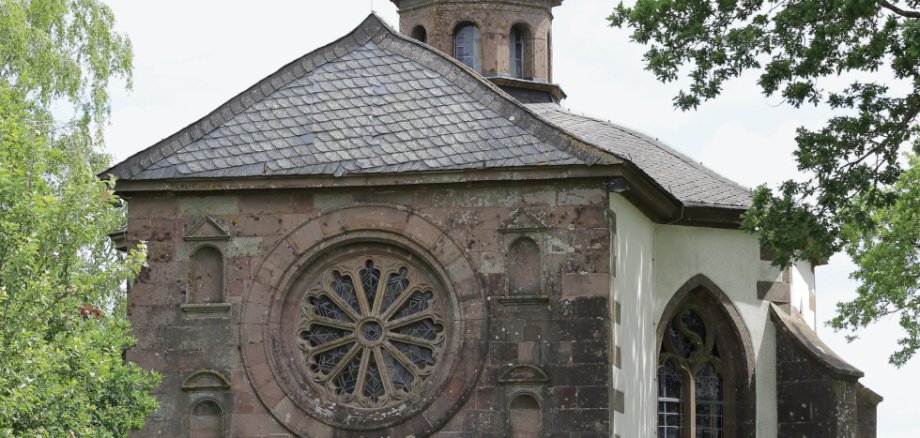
[
  {"x": 688, "y": 181},
  {"x": 377, "y": 102}
]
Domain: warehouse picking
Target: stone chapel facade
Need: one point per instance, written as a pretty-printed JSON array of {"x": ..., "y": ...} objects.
[{"x": 405, "y": 234}]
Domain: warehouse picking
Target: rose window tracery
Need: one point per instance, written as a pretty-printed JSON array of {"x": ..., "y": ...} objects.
[{"x": 371, "y": 330}]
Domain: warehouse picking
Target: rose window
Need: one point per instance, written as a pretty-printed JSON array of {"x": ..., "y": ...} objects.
[{"x": 370, "y": 331}]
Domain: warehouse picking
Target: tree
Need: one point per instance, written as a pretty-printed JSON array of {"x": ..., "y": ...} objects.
[
  {"x": 63, "y": 325},
  {"x": 855, "y": 191}
]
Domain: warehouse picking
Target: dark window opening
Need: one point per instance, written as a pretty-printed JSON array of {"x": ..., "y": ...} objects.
[{"x": 419, "y": 33}]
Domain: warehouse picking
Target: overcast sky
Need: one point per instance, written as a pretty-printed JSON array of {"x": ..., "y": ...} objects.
[{"x": 191, "y": 56}]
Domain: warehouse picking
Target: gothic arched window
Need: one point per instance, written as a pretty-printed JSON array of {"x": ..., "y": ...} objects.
[
  {"x": 517, "y": 48},
  {"x": 692, "y": 379},
  {"x": 467, "y": 45}
]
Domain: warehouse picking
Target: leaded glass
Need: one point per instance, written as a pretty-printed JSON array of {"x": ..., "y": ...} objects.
[
  {"x": 709, "y": 402},
  {"x": 424, "y": 329},
  {"x": 320, "y": 334},
  {"x": 370, "y": 277},
  {"x": 682, "y": 345},
  {"x": 396, "y": 285},
  {"x": 670, "y": 401},
  {"x": 416, "y": 303},
  {"x": 325, "y": 361},
  {"x": 401, "y": 377},
  {"x": 373, "y": 383},
  {"x": 323, "y": 306},
  {"x": 372, "y": 331},
  {"x": 694, "y": 323},
  {"x": 344, "y": 287},
  {"x": 687, "y": 334},
  {"x": 371, "y": 343},
  {"x": 347, "y": 380},
  {"x": 690, "y": 347},
  {"x": 418, "y": 355}
]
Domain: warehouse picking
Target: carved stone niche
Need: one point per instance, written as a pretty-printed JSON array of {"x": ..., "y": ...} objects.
[
  {"x": 524, "y": 386},
  {"x": 522, "y": 236},
  {"x": 206, "y": 244},
  {"x": 208, "y": 395}
]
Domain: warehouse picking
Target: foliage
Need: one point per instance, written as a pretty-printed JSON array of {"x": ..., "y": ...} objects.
[
  {"x": 62, "y": 49},
  {"x": 63, "y": 325},
  {"x": 801, "y": 49},
  {"x": 890, "y": 264}
]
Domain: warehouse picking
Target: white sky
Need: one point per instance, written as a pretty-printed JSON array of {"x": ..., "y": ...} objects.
[{"x": 191, "y": 56}]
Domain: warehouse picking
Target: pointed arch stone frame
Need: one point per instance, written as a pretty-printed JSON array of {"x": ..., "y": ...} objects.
[
  {"x": 703, "y": 295},
  {"x": 274, "y": 377}
]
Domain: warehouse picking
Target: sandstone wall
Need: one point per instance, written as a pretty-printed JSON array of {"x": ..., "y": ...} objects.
[{"x": 552, "y": 344}]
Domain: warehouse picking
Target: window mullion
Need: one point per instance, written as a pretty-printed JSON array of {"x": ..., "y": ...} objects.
[{"x": 690, "y": 409}]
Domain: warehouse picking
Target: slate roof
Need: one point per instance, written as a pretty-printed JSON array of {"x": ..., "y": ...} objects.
[
  {"x": 370, "y": 111},
  {"x": 376, "y": 102},
  {"x": 685, "y": 179},
  {"x": 373, "y": 102}
]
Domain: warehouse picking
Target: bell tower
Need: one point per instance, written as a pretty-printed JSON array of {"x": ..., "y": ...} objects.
[{"x": 507, "y": 41}]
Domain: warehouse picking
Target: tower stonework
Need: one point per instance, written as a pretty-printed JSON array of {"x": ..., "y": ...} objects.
[{"x": 440, "y": 20}]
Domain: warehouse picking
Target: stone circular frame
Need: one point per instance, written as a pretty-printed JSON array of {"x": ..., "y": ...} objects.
[{"x": 284, "y": 280}]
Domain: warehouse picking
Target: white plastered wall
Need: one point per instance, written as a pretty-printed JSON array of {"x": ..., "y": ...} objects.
[
  {"x": 801, "y": 288},
  {"x": 653, "y": 262}
]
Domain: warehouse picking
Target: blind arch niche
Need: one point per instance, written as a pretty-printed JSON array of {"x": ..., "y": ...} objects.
[
  {"x": 525, "y": 269},
  {"x": 206, "y": 276}
]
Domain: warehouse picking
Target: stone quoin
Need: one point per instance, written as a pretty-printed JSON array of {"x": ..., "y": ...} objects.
[{"x": 404, "y": 233}]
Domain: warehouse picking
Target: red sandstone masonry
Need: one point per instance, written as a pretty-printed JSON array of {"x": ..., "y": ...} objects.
[{"x": 558, "y": 337}]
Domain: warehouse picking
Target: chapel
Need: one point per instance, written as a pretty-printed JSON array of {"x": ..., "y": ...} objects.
[{"x": 405, "y": 234}]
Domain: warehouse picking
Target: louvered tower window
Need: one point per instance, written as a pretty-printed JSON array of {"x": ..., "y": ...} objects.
[
  {"x": 516, "y": 43},
  {"x": 467, "y": 46}
]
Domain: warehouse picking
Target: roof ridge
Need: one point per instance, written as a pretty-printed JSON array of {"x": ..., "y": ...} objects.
[
  {"x": 371, "y": 28},
  {"x": 664, "y": 146}
]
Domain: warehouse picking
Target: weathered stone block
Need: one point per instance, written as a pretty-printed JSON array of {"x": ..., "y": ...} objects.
[
  {"x": 585, "y": 285},
  {"x": 209, "y": 205}
]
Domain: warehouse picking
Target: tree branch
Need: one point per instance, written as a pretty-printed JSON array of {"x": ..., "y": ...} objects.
[{"x": 899, "y": 11}]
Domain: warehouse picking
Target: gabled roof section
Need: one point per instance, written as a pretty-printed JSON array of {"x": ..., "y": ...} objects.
[
  {"x": 688, "y": 181},
  {"x": 372, "y": 102}
]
